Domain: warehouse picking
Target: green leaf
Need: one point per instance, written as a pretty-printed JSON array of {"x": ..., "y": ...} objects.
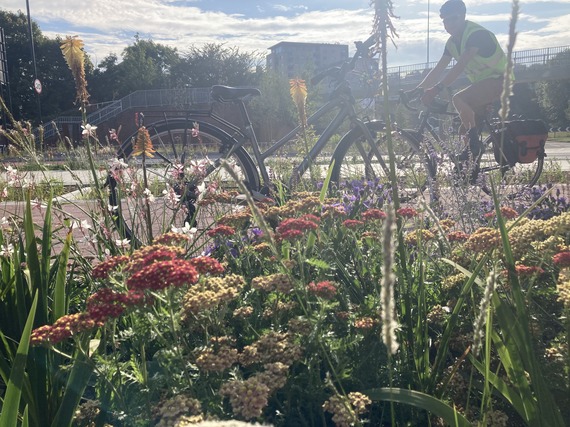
[
  {"x": 319, "y": 263},
  {"x": 60, "y": 308},
  {"x": 9, "y": 415},
  {"x": 422, "y": 401}
]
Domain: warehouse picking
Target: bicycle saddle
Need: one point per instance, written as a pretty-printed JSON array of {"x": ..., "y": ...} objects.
[{"x": 227, "y": 93}]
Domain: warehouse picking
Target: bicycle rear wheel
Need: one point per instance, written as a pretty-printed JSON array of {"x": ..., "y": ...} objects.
[
  {"x": 357, "y": 159},
  {"x": 153, "y": 195},
  {"x": 509, "y": 180}
]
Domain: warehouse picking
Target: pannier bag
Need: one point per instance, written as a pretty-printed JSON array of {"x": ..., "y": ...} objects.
[{"x": 522, "y": 142}]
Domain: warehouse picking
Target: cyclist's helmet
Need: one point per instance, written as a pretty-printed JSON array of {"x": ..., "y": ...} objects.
[{"x": 452, "y": 7}]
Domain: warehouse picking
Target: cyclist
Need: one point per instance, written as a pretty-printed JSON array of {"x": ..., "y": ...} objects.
[{"x": 478, "y": 54}]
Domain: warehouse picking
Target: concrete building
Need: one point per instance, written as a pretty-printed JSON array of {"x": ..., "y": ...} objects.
[{"x": 291, "y": 59}]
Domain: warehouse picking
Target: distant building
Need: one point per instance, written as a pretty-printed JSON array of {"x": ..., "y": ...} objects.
[{"x": 290, "y": 58}]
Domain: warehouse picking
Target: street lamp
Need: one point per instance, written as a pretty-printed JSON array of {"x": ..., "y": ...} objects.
[
  {"x": 427, "y": 54},
  {"x": 37, "y": 84}
]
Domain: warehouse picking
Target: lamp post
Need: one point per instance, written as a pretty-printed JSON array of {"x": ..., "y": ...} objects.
[
  {"x": 427, "y": 53},
  {"x": 37, "y": 84}
]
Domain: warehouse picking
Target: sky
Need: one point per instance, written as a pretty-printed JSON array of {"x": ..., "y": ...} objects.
[{"x": 108, "y": 26}]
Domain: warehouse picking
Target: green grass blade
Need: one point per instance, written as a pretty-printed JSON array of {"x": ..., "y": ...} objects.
[
  {"x": 74, "y": 389},
  {"x": 10, "y": 408},
  {"x": 421, "y": 401},
  {"x": 60, "y": 307}
]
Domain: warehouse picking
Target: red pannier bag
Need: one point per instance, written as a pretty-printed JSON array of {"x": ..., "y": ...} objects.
[{"x": 522, "y": 142}]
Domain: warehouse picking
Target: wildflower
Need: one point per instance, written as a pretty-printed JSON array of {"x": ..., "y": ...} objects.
[
  {"x": 562, "y": 259},
  {"x": 113, "y": 136},
  {"x": 211, "y": 293},
  {"x": 172, "y": 239},
  {"x": 419, "y": 235},
  {"x": 172, "y": 197},
  {"x": 204, "y": 265},
  {"x": 483, "y": 240},
  {"x": 346, "y": 410},
  {"x": 7, "y": 250},
  {"x": 352, "y": 223},
  {"x": 82, "y": 225},
  {"x": 274, "y": 282},
  {"x": 270, "y": 348},
  {"x": 364, "y": 323},
  {"x": 482, "y": 316},
  {"x": 506, "y": 212},
  {"x": 112, "y": 209},
  {"x": 457, "y": 236},
  {"x": 88, "y": 130},
  {"x": 162, "y": 274},
  {"x": 72, "y": 49},
  {"x": 4, "y": 193},
  {"x": 248, "y": 398},
  {"x": 407, "y": 212},
  {"x": 373, "y": 214},
  {"x": 102, "y": 270},
  {"x": 526, "y": 270},
  {"x": 186, "y": 229},
  {"x": 148, "y": 195},
  {"x": 217, "y": 360},
  {"x": 243, "y": 312},
  {"x": 179, "y": 410},
  {"x": 122, "y": 243},
  {"x": 142, "y": 144},
  {"x": 324, "y": 289},
  {"x": 221, "y": 231},
  {"x": 292, "y": 228}
]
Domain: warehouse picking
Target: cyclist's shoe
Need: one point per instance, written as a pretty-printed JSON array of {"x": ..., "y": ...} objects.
[{"x": 474, "y": 149}]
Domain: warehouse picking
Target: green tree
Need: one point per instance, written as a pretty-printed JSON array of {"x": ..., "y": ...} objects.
[
  {"x": 57, "y": 87},
  {"x": 554, "y": 96},
  {"x": 215, "y": 63}
]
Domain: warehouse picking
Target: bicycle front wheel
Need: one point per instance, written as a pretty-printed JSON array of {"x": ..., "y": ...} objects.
[
  {"x": 358, "y": 158},
  {"x": 178, "y": 182}
]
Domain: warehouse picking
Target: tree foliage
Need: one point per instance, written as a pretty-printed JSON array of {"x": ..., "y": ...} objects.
[{"x": 554, "y": 96}]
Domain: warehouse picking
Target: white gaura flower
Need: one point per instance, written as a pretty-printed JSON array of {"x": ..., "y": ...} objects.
[
  {"x": 112, "y": 209},
  {"x": 81, "y": 225},
  {"x": 88, "y": 130},
  {"x": 7, "y": 250},
  {"x": 148, "y": 195},
  {"x": 187, "y": 229},
  {"x": 123, "y": 243}
]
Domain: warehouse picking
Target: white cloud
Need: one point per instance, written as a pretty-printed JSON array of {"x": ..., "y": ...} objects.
[{"x": 106, "y": 28}]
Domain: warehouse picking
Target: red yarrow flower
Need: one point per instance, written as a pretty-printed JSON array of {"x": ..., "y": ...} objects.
[
  {"x": 562, "y": 259},
  {"x": 373, "y": 214},
  {"x": 292, "y": 228},
  {"x": 528, "y": 270},
  {"x": 205, "y": 264},
  {"x": 221, "y": 231},
  {"x": 407, "y": 212},
  {"x": 352, "y": 223},
  {"x": 102, "y": 270},
  {"x": 325, "y": 289},
  {"x": 163, "y": 274},
  {"x": 506, "y": 212}
]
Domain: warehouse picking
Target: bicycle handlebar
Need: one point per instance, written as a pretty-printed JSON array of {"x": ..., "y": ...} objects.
[
  {"x": 340, "y": 72},
  {"x": 436, "y": 106}
]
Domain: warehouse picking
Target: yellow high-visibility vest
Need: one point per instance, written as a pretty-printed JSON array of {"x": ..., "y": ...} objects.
[{"x": 479, "y": 68}]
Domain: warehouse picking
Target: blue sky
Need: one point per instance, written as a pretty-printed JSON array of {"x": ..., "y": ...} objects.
[{"x": 108, "y": 26}]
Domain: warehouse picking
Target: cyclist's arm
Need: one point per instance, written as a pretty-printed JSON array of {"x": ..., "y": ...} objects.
[{"x": 433, "y": 76}]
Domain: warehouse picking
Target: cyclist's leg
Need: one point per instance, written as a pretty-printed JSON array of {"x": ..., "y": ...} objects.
[{"x": 471, "y": 100}]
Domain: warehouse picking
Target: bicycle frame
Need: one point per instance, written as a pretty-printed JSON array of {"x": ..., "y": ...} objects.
[{"x": 342, "y": 102}]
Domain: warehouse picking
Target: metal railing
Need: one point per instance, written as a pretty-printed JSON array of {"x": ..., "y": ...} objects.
[{"x": 398, "y": 76}]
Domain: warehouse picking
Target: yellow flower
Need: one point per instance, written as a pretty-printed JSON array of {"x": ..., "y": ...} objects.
[
  {"x": 142, "y": 144},
  {"x": 72, "y": 49}
]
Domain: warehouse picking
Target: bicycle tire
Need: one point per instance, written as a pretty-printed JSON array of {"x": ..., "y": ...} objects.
[
  {"x": 510, "y": 180},
  {"x": 355, "y": 159},
  {"x": 181, "y": 164}
]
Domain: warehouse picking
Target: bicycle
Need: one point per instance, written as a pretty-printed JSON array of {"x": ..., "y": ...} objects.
[
  {"x": 190, "y": 147},
  {"x": 434, "y": 140}
]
